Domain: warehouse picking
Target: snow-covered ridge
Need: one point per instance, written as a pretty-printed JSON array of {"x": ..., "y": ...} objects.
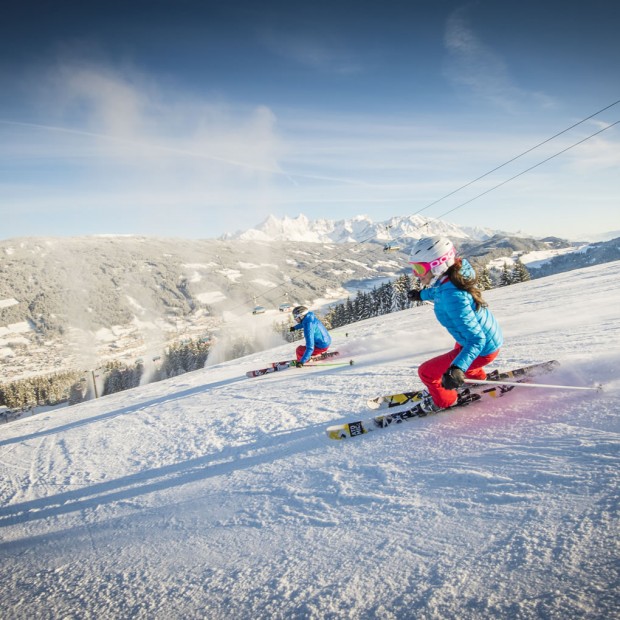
[
  {"x": 537, "y": 258},
  {"x": 357, "y": 229}
]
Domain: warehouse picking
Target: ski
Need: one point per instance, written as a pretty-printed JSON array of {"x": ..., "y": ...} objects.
[
  {"x": 286, "y": 364},
  {"x": 466, "y": 396},
  {"x": 519, "y": 374}
]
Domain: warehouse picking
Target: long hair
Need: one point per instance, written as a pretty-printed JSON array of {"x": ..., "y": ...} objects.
[{"x": 469, "y": 285}]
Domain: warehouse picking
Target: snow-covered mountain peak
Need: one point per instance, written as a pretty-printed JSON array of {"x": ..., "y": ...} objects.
[{"x": 357, "y": 229}]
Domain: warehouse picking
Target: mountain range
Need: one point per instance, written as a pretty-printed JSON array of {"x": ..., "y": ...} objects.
[
  {"x": 358, "y": 230},
  {"x": 483, "y": 246}
]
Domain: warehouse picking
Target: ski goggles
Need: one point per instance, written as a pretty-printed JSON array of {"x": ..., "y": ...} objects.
[{"x": 420, "y": 269}]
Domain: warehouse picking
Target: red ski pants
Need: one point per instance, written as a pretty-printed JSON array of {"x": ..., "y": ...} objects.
[
  {"x": 431, "y": 371},
  {"x": 300, "y": 350}
]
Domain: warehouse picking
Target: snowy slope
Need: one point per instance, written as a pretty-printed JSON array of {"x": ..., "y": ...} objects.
[
  {"x": 216, "y": 496},
  {"x": 533, "y": 260}
]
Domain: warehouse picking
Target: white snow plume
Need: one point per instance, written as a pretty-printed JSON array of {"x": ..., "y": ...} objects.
[
  {"x": 242, "y": 335},
  {"x": 211, "y": 495}
]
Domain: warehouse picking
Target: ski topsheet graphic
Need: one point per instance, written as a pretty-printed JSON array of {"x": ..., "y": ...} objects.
[
  {"x": 466, "y": 395},
  {"x": 388, "y": 401}
]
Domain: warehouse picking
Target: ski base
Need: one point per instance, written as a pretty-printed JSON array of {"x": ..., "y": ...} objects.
[{"x": 466, "y": 396}]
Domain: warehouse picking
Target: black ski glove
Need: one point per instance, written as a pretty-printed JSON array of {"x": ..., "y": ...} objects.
[
  {"x": 453, "y": 378},
  {"x": 298, "y": 364},
  {"x": 291, "y": 329},
  {"x": 414, "y": 295}
]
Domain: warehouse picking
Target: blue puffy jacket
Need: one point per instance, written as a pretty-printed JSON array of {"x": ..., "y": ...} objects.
[
  {"x": 315, "y": 334},
  {"x": 476, "y": 331}
]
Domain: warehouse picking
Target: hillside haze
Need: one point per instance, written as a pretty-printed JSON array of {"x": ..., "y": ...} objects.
[
  {"x": 76, "y": 302},
  {"x": 81, "y": 299}
]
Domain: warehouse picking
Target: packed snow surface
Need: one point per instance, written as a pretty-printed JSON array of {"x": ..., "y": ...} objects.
[{"x": 216, "y": 496}]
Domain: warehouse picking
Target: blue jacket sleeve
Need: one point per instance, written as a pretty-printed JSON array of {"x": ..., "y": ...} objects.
[
  {"x": 428, "y": 294},
  {"x": 309, "y": 336}
]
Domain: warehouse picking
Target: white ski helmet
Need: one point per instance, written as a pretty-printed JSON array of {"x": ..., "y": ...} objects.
[
  {"x": 299, "y": 312},
  {"x": 433, "y": 254}
]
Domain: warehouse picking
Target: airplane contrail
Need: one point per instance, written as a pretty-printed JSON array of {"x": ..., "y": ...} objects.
[{"x": 187, "y": 152}]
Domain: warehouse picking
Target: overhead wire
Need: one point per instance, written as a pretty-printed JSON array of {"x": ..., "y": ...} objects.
[
  {"x": 540, "y": 163},
  {"x": 350, "y": 247},
  {"x": 510, "y": 161}
]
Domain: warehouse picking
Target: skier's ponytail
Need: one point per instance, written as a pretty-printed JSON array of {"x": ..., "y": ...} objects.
[{"x": 469, "y": 285}]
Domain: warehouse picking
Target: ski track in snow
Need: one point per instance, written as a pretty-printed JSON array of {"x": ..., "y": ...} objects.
[{"x": 215, "y": 496}]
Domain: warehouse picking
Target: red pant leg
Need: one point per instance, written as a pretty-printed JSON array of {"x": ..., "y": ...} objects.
[
  {"x": 301, "y": 349},
  {"x": 431, "y": 371},
  {"x": 319, "y": 350}
]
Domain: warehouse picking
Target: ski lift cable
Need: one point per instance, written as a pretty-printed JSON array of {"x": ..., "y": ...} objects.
[
  {"x": 540, "y": 163},
  {"x": 533, "y": 148},
  {"x": 341, "y": 252},
  {"x": 587, "y": 118}
]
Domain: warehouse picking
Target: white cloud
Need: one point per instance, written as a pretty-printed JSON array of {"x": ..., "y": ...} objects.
[
  {"x": 132, "y": 117},
  {"x": 324, "y": 53},
  {"x": 599, "y": 153},
  {"x": 479, "y": 70},
  {"x": 113, "y": 140}
]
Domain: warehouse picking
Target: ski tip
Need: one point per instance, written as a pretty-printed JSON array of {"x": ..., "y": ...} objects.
[{"x": 336, "y": 432}]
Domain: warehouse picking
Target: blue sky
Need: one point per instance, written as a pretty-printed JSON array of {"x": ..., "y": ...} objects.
[{"x": 191, "y": 119}]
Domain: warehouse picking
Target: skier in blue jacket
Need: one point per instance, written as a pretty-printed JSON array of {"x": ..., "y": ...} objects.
[
  {"x": 317, "y": 337},
  {"x": 450, "y": 283}
]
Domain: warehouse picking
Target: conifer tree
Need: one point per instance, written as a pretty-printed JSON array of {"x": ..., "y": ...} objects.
[
  {"x": 484, "y": 280},
  {"x": 505, "y": 278},
  {"x": 400, "y": 287},
  {"x": 78, "y": 392},
  {"x": 520, "y": 272},
  {"x": 415, "y": 286},
  {"x": 346, "y": 314}
]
